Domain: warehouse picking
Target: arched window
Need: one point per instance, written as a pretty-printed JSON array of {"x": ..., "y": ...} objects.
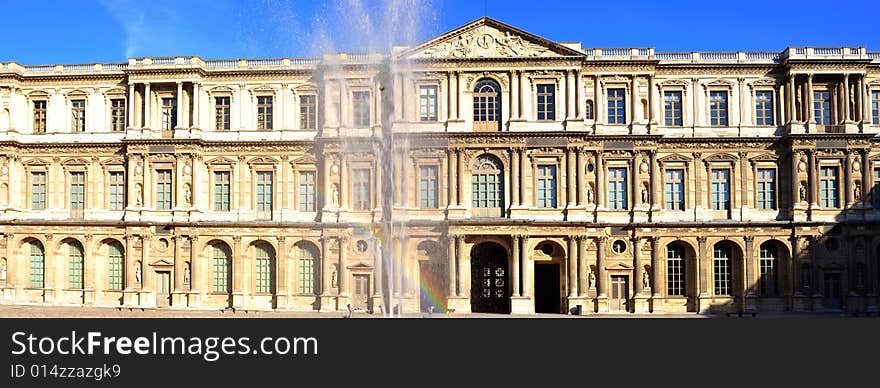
[
  {"x": 308, "y": 261},
  {"x": 675, "y": 271},
  {"x": 488, "y": 184},
  {"x": 115, "y": 271},
  {"x": 722, "y": 269},
  {"x": 768, "y": 260},
  {"x": 38, "y": 264},
  {"x": 487, "y": 106},
  {"x": 75, "y": 264},
  {"x": 265, "y": 261},
  {"x": 221, "y": 268},
  {"x": 588, "y": 111}
]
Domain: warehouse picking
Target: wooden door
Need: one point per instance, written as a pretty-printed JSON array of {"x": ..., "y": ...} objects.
[
  {"x": 619, "y": 293},
  {"x": 163, "y": 289},
  {"x": 361, "y": 292}
]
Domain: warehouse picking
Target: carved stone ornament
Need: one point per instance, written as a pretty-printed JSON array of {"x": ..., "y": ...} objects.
[{"x": 485, "y": 42}]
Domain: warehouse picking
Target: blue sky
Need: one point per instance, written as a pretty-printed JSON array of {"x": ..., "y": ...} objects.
[{"x": 83, "y": 31}]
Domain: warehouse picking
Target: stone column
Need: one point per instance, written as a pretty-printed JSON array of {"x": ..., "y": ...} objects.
[
  {"x": 514, "y": 176},
  {"x": 702, "y": 260},
  {"x": 657, "y": 280},
  {"x": 523, "y": 86},
  {"x": 579, "y": 176},
  {"x": 600, "y": 180},
  {"x": 572, "y": 267},
  {"x": 514, "y": 95},
  {"x": 377, "y": 268},
  {"x": 146, "y": 276},
  {"x": 578, "y": 96},
  {"x": 450, "y": 264},
  {"x": 452, "y": 167},
  {"x": 344, "y": 196},
  {"x": 461, "y": 182},
  {"x": 178, "y": 265},
  {"x": 523, "y": 167},
  {"x": 638, "y": 272},
  {"x": 749, "y": 281},
  {"x": 325, "y": 266},
  {"x": 866, "y": 101},
  {"x": 600, "y": 263},
  {"x": 195, "y": 105},
  {"x": 281, "y": 269},
  {"x": 634, "y": 97},
  {"x": 808, "y": 114},
  {"x": 129, "y": 105},
  {"x": 462, "y": 274},
  {"x": 450, "y": 96},
  {"x": 515, "y": 242},
  {"x": 790, "y": 101},
  {"x": 846, "y": 111},
  {"x": 569, "y": 95},
  {"x": 129, "y": 264},
  {"x": 405, "y": 163},
  {"x": 526, "y": 266},
  {"x": 147, "y": 99},
  {"x": 582, "y": 266},
  {"x": 343, "y": 265},
  {"x": 179, "y": 98},
  {"x": 569, "y": 177},
  {"x": 196, "y": 266}
]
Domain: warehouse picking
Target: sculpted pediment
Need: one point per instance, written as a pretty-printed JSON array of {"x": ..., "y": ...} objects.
[
  {"x": 488, "y": 38},
  {"x": 720, "y": 157},
  {"x": 767, "y": 157},
  {"x": 221, "y": 161},
  {"x": 674, "y": 158}
]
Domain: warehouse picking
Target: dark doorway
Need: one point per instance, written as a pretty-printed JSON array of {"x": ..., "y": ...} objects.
[
  {"x": 619, "y": 293},
  {"x": 832, "y": 290},
  {"x": 547, "y": 288},
  {"x": 490, "y": 290}
]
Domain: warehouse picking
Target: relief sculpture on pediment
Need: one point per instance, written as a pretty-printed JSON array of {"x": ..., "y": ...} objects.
[{"x": 485, "y": 42}]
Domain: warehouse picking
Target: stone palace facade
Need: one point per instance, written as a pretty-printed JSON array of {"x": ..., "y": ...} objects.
[{"x": 485, "y": 170}]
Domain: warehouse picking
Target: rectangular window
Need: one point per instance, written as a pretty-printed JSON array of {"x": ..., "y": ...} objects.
[
  {"x": 117, "y": 114},
  {"x": 675, "y": 189},
  {"x": 428, "y": 187},
  {"x": 722, "y": 271},
  {"x": 546, "y": 102},
  {"x": 78, "y": 115},
  {"x": 875, "y": 107},
  {"x": 306, "y": 271},
  {"x": 114, "y": 271},
  {"x": 222, "y": 113},
  {"x": 764, "y": 108},
  {"x": 38, "y": 266},
  {"x": 117, "y": 190},
  {"x": 616, "y": 106},
  {"x": 264, "y": 271},
  {"x": 428, "y": 103},
  {"x": 39, "y": 116},
  {"x": 163, "y": 189},
  {"x": 221, "y": 190},
  {"x": 718, "y": 108},
  {"x": 675, "y": 279},
  {"x": 75, "y": 266},
  {"x": 672, "y": 109},
  {"x": 221, "y": 269},
  {"x": 307, "y": 191},
  {"x": 264, "y": 113},
  {"x": 721, "y": 189},
  {"x": 617, "y": 188},
  {"x": 361, "y": 188},
  {"x": 264, "y": 194},
  {"x": 767, "y": 189},
  {"x": 828, "y": 187},
  {"x": 547, "y": 186},
  {"x": 361, "y": 104},
  {"x": 169, "y": 113},
  {"x": 822, "y": 107},
  {"x": 308, "y": 113},
  {"x": 77, "y": 192},
  {"x": 38, "y": 190},
  {"x": 768, "y": 271}
]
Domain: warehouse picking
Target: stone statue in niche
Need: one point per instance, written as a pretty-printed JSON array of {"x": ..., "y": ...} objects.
[
  {"x": 187, "y": 195},
  {"x": 334, "y": 278},
  {"x": 334, "y": 197},
  {"x": 186, "y": 273},
  {"x": 138, "y": 195},
  {"x": 644, "y": 195},
  {"x": 3, "y": 271},
  {"x": 137, "y": 273},
  {"x": 590, "y": 194},
  {"x": 803, "y": 191},
  {"x": 857, "y": 191},
  {"x": 646, "y": 280},
  {"x": 592, "y": 279}
]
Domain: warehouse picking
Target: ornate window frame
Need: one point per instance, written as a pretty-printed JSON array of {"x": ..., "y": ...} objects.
[
  {"x": 300, "y": 165},
  {"x": 258, "y": 165},
  {"x": 765, "y": 85},
  {"x": 718, "y": 85},
  {"x": 547, "y": 158},
  {"x": 676, "y": 162},
  {"x": 222, "y": 164},
  {"x": 110, "y": 166},
  {"x": 675, "y": 85}
]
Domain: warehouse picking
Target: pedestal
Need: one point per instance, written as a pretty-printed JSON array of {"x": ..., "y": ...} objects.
[
  {"x": 460, "y": 305},
  {"x": 801, "y": 303},
  {"x": 577, "y": 301},
  {"x": 641, "y": 304},
  {"x": 522, "y": 305},
  {"x": 704, "y": 304},
  {"x": 342, "y": 302},
  {"x": 456, "y": 212},
  {"x": 328, "y": 303},
  {"x": 602, "y": 305},
  {"x": 576, "y": 213},
  {"x": 130, "y": 298}
]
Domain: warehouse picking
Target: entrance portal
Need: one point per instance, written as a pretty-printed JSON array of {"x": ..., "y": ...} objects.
[
  {"x": 490, "y": 290},
  {"x": 832, "y": 290},
  {"x": 163, "y": 289},
  {"x": 619, "y": 293},
  {"x": 547, "y": 296},
  {"x": 361, "y": 297}
]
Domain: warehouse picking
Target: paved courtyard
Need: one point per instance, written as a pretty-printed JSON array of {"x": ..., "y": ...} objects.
[{"x": 18, "y": 311}]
